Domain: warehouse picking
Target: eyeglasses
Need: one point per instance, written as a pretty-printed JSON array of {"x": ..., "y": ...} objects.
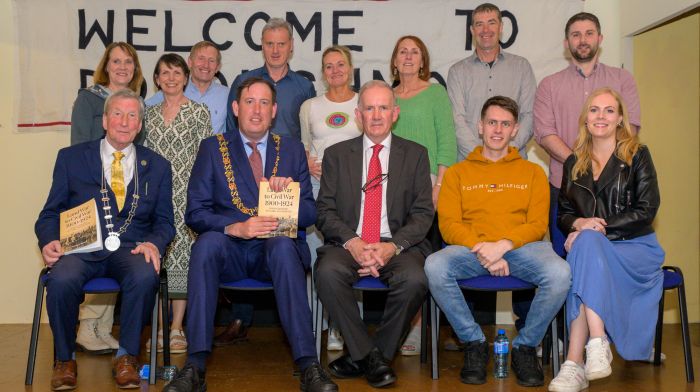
[{"x": 375, "y": 182}]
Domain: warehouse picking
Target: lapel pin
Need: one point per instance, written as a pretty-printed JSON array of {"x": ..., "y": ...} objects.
[{"x": 144, "y": 162}]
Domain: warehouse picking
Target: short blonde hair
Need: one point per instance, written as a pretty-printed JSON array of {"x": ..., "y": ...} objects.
[
  {"x": 205, "y": 44},
  {"x": 343, "y": 51}
]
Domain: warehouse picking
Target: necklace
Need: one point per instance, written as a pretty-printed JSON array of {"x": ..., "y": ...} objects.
[
  {"x": 112, "y": 242},
  {"x": 231, "y": 179}
]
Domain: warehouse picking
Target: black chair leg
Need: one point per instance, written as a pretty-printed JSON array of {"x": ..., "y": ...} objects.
[
  {"x": 547, "y": 346},
  {"x": 565, "y": 328},
  {"x": 659, "y": 331},
  {"x": 689, "y": 372},
  {"x": 555, "y": 347},
  {"x": 318, "y": 322},
  {"x": 166, "y": 316},
  {"x": 424, "y": 332},
  {"x": 36, "y": 323},
  {"x": 154, "y": 343},
  {"x": 434, "y": 337}
]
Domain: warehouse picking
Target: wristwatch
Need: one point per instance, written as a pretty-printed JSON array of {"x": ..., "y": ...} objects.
[{"x": 399, "y": 249}]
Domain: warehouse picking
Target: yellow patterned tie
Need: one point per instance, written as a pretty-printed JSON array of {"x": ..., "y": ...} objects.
[{"x": 118, "y": 179}]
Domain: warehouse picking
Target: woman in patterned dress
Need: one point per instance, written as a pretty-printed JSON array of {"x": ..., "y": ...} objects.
[{"x": 174, "y": 129}]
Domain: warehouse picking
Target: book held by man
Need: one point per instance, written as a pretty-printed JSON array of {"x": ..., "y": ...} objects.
[
  {"x": 80, "y": 229},
  {"x": 283, "y": 205}
]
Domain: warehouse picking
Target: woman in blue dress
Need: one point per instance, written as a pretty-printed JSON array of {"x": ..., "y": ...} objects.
[{"x": 609, "y": 197}]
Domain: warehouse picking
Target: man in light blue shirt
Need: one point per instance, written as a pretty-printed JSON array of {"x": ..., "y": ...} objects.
[{"x": 204, "y": 63}]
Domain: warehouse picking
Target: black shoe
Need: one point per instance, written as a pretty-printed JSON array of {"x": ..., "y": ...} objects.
[
  {"x": 345, "y": 367},
  {"x": 476, "y": 356},
  {"x": 188, "y": 379},
  {"x": 377, "y": 370},
  {"x": 315, "y": 379},
  {"x": 526, "y": 366}
]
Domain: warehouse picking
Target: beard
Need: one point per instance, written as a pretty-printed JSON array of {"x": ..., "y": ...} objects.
[{"x": 593, "y": 50}]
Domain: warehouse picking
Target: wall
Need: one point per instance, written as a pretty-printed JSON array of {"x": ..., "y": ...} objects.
[
  {"x": 670, "y": 126},
  {"x": 27, "y": 159}
]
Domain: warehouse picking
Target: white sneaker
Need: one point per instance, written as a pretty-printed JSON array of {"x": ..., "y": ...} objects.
[
  {"x": 108, "y": 339},
  {"x": 651, "y": 357},
  {"x": 598, "y": 358},
  {"x": 411, "y": 346},
  {"x": 561, "y": 349},
  {"x": 571, "y": 378},
  {"x": 335, "y": 340},
  {"x": 88, "y": 340}
]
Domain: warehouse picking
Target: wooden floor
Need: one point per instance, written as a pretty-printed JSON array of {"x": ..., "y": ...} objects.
[{"x": 264, "y": 364}]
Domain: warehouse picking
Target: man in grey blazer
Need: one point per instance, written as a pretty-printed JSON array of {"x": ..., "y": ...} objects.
[{"x": 374, "y": 209}]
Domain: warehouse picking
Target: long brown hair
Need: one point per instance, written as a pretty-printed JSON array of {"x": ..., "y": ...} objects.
[
  {"x": 101, "y": 76},
  {"x": 627, "y": 142}
]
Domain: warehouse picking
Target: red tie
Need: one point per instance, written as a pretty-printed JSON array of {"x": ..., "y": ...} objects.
[
  {"x": 255, "y": 162},
  {"x": 371, "y": 219}
]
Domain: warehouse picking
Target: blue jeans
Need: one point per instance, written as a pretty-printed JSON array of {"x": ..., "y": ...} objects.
[{"x": 535, "y": 263}]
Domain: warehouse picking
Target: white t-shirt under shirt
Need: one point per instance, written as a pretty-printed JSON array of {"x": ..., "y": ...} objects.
[{"x": 325, "y": 123}]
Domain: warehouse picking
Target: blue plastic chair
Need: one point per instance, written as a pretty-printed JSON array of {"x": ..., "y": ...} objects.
[
  {"x": 370, "y": 283},
  {"x": 673, "y": 279},
  {"x": 485, "y": 283},
  {"x": 93, "y": 286}
]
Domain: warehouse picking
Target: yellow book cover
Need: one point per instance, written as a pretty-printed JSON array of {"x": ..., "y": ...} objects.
[
  {"x": 282, "y": 205},
  {"x": 80, "y": 229}
]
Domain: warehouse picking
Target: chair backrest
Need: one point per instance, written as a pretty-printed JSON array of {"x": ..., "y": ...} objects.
[{"x": 672, "y": 278}]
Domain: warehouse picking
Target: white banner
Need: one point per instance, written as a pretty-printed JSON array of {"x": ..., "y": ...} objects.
[{"x": 61, "y": 41}]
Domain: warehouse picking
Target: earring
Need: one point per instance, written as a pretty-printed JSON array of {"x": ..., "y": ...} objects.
[
  {"x": 420, "y": 71},
  {"x": 395, "y": 71}
]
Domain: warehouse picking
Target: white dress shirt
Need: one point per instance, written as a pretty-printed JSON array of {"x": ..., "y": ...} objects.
[
  {"x": 128, "y": 162},
  {"x": 367, "y": 150}
]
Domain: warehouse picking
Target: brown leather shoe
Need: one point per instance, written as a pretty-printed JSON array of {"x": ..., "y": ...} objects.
[
  {"x": 234, "y": 333},
  {"x": 126, "y": 373},
  {"x": 65, "y": 374}
]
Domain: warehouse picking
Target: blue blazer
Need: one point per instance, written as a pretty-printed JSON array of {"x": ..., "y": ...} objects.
[
  {"x": 209, "y": 204},
  {"x": 77, "y": 177}
]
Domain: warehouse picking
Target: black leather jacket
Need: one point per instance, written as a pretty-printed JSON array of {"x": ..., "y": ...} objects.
[{"x": 627, "y": 197}]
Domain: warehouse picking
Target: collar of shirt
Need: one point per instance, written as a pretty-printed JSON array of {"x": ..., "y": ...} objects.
[
  {"x": 476, "y": 59},
  {"x": 385, "y": 231},
  {"x": 367, "y": 155},
  {"x": 192, "y": 88},
  {"x": 265, "y": 72},
  {"x": 580, "y": 72},
  {"x": 128, "y": 161},
  {"x": 262, "y": 146}
]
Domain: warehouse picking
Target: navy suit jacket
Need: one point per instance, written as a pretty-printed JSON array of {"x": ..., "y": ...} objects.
[
  {"x": 77, "y": 177},
  {"x": 209, "y": 204}
]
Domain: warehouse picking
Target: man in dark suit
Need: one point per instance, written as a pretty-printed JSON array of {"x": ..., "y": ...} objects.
[
  {"x": 132, "y": 188},
  {"x": 222, "y": 205},
  {"x": 374, "y": 209}
]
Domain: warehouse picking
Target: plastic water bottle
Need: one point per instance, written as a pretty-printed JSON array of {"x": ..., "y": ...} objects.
[{"x": 500, "y": 350}]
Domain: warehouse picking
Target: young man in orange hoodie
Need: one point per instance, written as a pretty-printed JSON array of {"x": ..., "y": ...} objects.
[{"x": 492, "y": 211}]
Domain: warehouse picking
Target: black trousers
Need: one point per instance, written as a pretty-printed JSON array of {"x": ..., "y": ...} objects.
[{"x": 336, "y": 272}]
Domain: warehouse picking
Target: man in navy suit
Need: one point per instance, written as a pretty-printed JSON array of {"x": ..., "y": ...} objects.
[
  {"x": 140, "y": 223},
  {"x": 222, "y": 201}
]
